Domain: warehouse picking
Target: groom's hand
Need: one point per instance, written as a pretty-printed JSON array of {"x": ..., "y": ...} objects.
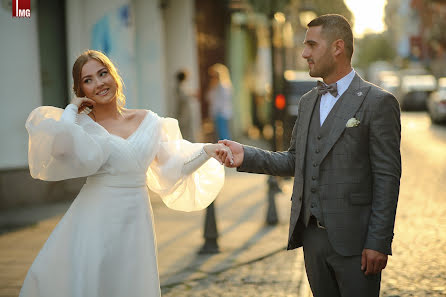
[
  {"x": 372, "y": 262},
  {"x": 237, "y": 153},
  {"x": 219, "y": 151}
]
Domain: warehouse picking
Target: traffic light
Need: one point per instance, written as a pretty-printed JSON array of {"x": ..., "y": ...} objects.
[
  {"x": 280, "y": 102},
  {"x": 279, "y": 107}
]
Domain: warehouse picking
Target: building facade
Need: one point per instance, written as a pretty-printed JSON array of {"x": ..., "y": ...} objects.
[{"x": 148, "y": 40}]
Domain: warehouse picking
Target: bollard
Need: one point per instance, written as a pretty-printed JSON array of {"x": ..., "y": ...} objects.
[
  {"x": 271, "y": 214},
  {"x": 210, "y": 232}
]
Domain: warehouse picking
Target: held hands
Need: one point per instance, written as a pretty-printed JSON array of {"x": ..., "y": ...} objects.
[
  {"x": 83, "y": 103},
  {"x": 220, "y": 152},
  {"x": 237, "y": 153},
  {"x": 372, "y": 262}
]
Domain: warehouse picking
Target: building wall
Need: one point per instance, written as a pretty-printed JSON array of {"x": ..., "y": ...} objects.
[
  {"x": 21, "y": 92},
  {"x": 132, "y": 31},
  {"x": 20, "y": 89},
  {"x": 150, "y": 55},
  {"x": 241, "y": 64},
  {"x": 109, "y": 28},
  {"x": 180, "y": 46}
]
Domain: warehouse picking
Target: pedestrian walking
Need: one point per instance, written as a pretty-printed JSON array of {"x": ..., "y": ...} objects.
[
  {"x": 219, "y": 96},
  {"x": 188, "y": 108},
  {"x": 345, "y": 158},
  {"x": 104, "y": 245}
]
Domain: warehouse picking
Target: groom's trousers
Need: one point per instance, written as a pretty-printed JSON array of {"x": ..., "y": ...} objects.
[{"x": 333, "y": 275}]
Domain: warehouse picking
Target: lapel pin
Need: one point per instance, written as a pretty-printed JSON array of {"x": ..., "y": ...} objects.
[{"x": 359, "y": 93}]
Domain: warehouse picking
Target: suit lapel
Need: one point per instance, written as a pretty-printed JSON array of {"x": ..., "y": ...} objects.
[
  {"x": 306, "y": 110},
  {"x": 351, "y": 101}
]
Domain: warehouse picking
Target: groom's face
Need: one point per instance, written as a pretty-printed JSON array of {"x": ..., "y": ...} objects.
[{"x": 318, "y": 53}]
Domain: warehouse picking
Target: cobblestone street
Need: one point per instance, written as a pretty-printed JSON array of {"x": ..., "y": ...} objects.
[
  {"x": 418, "y": 265},
  {"x": 280, "y": 275}
]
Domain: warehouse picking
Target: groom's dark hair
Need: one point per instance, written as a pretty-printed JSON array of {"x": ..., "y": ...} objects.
[{"x": 335, "y": 26}]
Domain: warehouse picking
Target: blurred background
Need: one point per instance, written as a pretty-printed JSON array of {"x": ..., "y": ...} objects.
[{"x": 400, "y": 46}]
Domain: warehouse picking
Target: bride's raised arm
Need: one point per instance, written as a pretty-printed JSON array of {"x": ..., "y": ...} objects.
[{"x": 59, "y": 148}]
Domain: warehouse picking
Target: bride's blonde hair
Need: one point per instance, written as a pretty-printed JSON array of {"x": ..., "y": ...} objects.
[
  {"x": 222, "y": 74},
  {"x": 100, "y": 57}
]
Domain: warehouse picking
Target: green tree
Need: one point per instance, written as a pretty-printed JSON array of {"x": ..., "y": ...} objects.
[
  {"x": 296, "y": 6},
  {"x": 373, "y": 47},
  {"x": 334, "y": 6}
]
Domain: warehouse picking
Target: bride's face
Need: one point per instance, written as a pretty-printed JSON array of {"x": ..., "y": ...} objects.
[{"x": 97, "y": 83}]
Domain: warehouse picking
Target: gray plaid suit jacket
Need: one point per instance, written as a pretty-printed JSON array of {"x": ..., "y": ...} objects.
[{"x": 359, "y": 171}]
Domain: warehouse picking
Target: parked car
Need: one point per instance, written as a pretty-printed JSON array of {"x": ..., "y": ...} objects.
[
  {"x": 376, "y": 69},
  {"x": 415, "y": 90},
  {"x": 389, "y": 81},
  {"x": 296, "y": 84},
  {"x": 436, "y": 104}
]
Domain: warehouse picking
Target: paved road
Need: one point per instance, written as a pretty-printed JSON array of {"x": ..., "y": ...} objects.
[
  {"x": 280, "y": 275},
  {"x": 418, "y": 267}
]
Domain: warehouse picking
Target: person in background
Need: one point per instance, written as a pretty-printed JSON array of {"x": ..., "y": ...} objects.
[
  {"x": 219, "y": 97},
  {"x": 188, "y": 111}
]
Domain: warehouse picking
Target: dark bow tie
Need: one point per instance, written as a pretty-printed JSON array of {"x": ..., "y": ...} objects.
[{"x": 323, "y": 89}]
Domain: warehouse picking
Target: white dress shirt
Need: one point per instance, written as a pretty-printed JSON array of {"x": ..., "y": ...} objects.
[{"x": 328, "y": 100}]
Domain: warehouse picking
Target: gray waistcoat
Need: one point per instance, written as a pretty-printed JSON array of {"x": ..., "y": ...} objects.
[{"x": 315, "y": 142}]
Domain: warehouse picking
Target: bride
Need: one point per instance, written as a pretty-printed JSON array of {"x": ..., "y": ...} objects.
[{"x": 105, "y": 244}]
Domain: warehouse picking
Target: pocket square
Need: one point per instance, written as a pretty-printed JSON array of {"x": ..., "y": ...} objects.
[{"x": 353, "y": 122}]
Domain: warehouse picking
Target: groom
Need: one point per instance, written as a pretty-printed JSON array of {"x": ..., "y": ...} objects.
[{"x": 345, "y": 158}]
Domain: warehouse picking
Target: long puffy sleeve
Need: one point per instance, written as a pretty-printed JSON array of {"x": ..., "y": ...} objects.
[
  {"x": 59, "y": 148},
  {"x": 170, "y": 176}
]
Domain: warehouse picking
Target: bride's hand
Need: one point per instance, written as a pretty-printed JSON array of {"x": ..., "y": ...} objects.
[
  {"x": 220, "y": 152},
  {"x": 83, "y": 103}
]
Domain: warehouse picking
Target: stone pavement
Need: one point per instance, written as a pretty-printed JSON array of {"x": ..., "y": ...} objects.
[
  {"x": 418, "y": 265},
  {"x": 244, "y": 237},
  {"x": 278, "y": 275}
]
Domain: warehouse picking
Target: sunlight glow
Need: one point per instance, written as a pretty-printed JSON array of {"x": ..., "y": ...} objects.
[{"x": 368, "y": 16}]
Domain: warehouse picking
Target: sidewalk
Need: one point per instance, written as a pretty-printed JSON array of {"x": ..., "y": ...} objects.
[
  {"x": 244, "y": 236},
  {"x": 244, "y": 239}
]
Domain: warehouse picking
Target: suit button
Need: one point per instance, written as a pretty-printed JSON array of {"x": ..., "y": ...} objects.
[
  {"x": 319, "y": 137},
  {"x": 313, "y": 190},
  {"x": 317, "y": 151},
  {"x": 314, "y": 164},
  {"x": 313, "y": 177},
  {"x": 313, "y": 205}
]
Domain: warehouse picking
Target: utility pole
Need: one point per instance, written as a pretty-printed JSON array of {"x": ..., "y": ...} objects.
[{"x": 273, "y": 184}]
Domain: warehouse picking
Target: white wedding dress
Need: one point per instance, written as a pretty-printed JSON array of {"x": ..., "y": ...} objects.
[{"x": 105, "y": 243}]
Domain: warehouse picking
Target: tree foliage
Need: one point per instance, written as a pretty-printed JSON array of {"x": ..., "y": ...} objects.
[
  {"x": 318, "y": 6},
  {"x": 268, "y": 6},
  {"x": 333, "y": 6},
  {"x": 373, "y": 47}
]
